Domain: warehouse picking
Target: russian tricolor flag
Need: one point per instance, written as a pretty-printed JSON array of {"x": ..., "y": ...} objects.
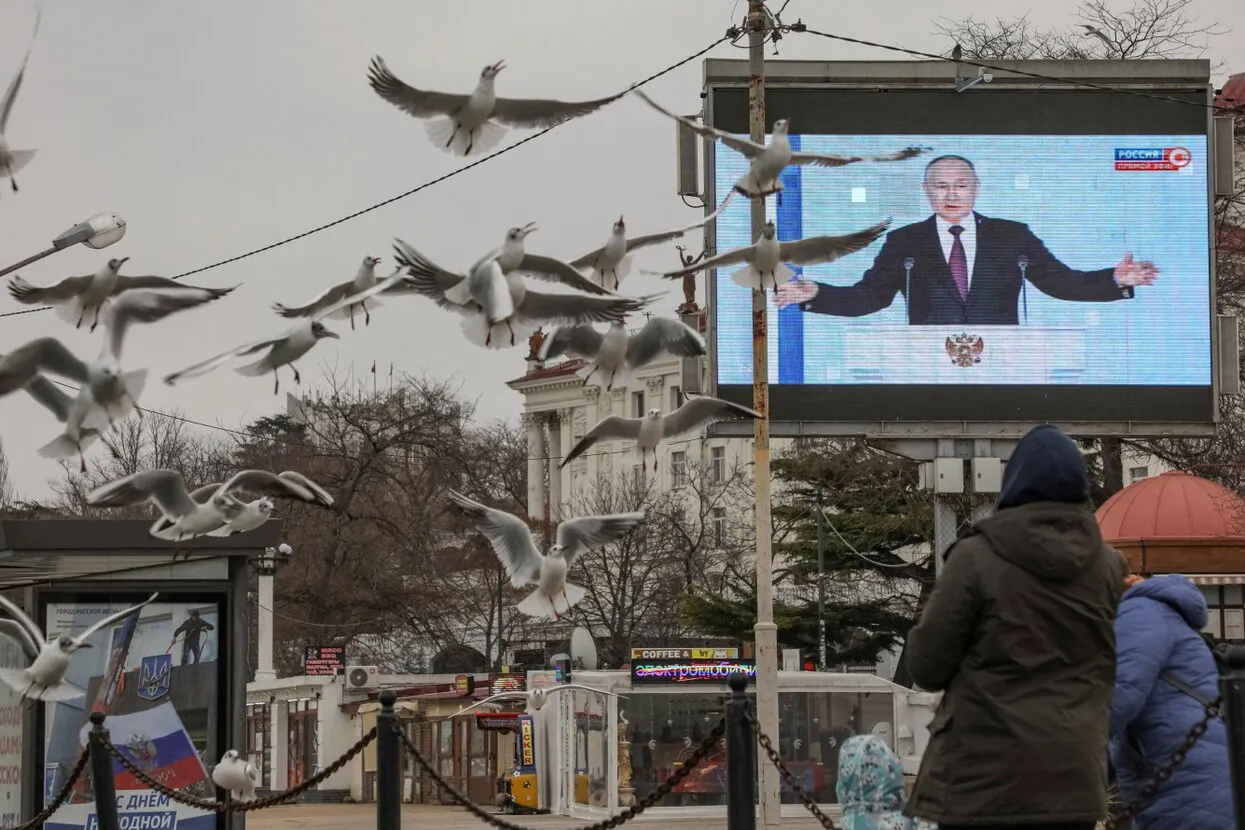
[{"x": 156, "y": 742}]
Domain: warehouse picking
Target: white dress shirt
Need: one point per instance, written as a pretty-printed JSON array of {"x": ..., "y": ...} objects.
[{"x": 968, "y": 238}]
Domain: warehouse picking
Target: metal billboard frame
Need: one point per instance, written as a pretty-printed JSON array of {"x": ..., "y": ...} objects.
[{"x": 1154, "y": 76}]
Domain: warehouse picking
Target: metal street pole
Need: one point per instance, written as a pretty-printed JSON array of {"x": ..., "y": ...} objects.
[
  {"x": 100, "y": 231},
  {"x": 821, "y": 589},
  {"x": 766, "y": 632}
]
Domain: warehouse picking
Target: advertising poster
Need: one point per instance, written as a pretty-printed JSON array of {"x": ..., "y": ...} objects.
[
  {"x": 11, "y": 656},
  {"x": 155, "y": 677}
]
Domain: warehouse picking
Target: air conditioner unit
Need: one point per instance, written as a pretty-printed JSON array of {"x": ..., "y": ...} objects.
[{"x": 362, "y": 677}]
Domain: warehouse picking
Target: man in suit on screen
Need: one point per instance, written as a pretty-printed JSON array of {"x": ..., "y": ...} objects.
[{"x": 961, "y": 268}]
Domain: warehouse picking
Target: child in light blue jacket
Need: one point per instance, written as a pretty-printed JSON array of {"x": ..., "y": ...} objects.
[{"x": 870, "y": 787}]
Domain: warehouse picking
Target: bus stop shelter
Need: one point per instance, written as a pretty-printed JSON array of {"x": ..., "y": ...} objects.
[{"x": 171, "y": 679}]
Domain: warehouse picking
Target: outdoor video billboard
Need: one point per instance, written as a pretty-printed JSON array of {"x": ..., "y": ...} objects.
[{"x": 1048, "y": 258}]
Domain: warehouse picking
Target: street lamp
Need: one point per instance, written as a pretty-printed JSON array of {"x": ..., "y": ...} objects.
[
  {"x": 100, "y": 231},
  {"x": 266, "y": 566}
]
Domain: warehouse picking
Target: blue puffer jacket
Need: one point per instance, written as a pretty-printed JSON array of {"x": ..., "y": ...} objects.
[{"x": 1157, "y": 630}]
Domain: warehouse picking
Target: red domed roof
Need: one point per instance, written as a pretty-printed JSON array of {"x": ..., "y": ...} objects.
[
  {"x": 1174, "y": 505},
  {"x": 1233, "y": 93}
]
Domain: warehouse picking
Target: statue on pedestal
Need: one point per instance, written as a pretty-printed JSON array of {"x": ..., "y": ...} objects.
[
  {"x": 626, "y": 792},
  {"x": 689, "y": 282},
  {"x": 534, "y": 343}
]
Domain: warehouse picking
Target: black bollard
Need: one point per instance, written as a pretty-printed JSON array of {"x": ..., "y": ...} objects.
[
  {"x": 741, "y": 745},
  {"x": 388, "y": 766},
  {"x": 1232, "y": 687},
  {"x": 102, "y": 782}
]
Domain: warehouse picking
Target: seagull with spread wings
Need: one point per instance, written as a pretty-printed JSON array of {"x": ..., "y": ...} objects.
[
  {"x": 513, "y": 256},
  {"x": 44, "y": 678},
  {"x": 467, "y": 124},
  {"x": 186, "y": 515},
  {"x": 696, "y": 413},
  {"x": 364, "y": 279},
  {"x": 106, "y": 394},
  {"x": 13, "y": 160},
  {"x": 531, "y": 308},
  {"x": 769, "y": 160},
  {"x": 73, "y": 298},
  {"x": 612, "y": 261},
  {"x": 613, "y": 355},
  {"x": 765, "y": 260},
  {"x": 285, "y": 348},
  {"x": 512, "y": 541}
]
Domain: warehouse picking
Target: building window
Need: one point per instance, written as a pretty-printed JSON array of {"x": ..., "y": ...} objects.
[
  {"x": 676, "y": 397},
  {"x": 678, "y": 469},
  {"x": 718, "y": 525},
  {"x": 1136, "y": 474},
  {"x": 717, "y": 464},
  {"x": 637, "y": 476},
  {"x": 1226, "y": 604},
  {"x": 637, "y": 404}
]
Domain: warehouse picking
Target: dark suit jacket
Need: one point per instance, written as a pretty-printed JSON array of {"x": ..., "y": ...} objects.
[{"x": 994, "y": 288}]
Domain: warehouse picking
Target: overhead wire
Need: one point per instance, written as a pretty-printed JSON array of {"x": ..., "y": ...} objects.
[{"x": 432, "y": 182}]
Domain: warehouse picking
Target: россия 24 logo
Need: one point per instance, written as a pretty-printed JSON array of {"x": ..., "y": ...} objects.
[{"x": 1152, "y": 158}]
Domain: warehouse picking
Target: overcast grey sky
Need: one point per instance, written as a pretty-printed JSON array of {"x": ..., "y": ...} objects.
[{"x": 218, "y": 127}]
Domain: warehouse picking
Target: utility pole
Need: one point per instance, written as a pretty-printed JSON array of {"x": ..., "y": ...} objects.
[
  {"x": 766, "y": 632},
  {"x": 821, "y": 587}
]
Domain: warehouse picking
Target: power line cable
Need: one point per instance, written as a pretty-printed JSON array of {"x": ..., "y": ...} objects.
[
  {"x": 414, "y": 190},
  {"x": 799, "y": 27}
]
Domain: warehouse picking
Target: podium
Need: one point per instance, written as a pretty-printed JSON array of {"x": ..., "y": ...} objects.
[{"x": 973, "y": 355}]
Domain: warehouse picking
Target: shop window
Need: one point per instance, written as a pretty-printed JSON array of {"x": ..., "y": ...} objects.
[
  {"x": 664, "y": 729},
  {"x": 812, "y": 727}
]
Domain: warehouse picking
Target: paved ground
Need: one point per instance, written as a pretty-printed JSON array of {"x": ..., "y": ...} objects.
[{"x": 419, "y": 816}]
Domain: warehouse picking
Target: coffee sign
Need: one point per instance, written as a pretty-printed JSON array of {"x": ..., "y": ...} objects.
[{"x": 685, "y": 653}]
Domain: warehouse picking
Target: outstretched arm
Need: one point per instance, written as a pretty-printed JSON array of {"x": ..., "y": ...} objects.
[
  {"x": 1053, "y": 278},
  {"x": 875, "y": 291}
]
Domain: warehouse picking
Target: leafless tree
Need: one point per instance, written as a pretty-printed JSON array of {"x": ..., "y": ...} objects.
[
  {"x": 8, "y": 494},
  {"x": 1148, "y": 29}
]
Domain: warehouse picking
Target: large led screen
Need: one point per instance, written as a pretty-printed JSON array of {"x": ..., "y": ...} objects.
[{"x": 1022, "y": 277}]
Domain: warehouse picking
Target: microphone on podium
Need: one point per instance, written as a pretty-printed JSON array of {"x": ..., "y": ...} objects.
[
  {"x": 1022, "y": 262},
  {"x": 908, "y": 264}
]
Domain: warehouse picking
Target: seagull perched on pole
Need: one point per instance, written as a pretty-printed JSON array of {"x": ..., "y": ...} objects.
[
  {"x": 13, "y": 160},
  {"x": 615, "y": 353},
  {"x": 106, "y": 394},
  {"x": 467, "y": 124},
  {"x": 535, "y": 698},
  {"x": 769, "y": 160},
  {"x": 284, "y": 349},
  {"x": 364, "y": 279},
  {"x": 612, "y": 261},
  {"x": 512, "y": 541},
  {"x": 44, "y": 678},
  {"x": 237, "y": 776},
  {"x": 73, "y": 298},
  {"x": 765, "y": 258},
  {"x": 529, "y": 308},
  {"x": 186, "y": 515},
  {"x": 697, "y": 412}
]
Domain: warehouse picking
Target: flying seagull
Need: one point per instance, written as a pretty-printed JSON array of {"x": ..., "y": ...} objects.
[
  {"x": 615, "y": 353},
  {"x": 73, "y": 298},
  {"x": 513, "y": 256},
  {"x": 467, "y": 124},
  {"x": 61, "y": 405},
  {"x": 512, "y": 542},
  {"x": 44, "y": 678},
  {"x": 698, "y": 412},
  {"x": 106, "y": 394},
  {"x": 769, "y": 160},
  {"x": 13, "y": 160},
  {"x": 536, "y": 698},
  {"x": 612, "y": 261},
  {"x": 242, "y": 517},
  {"x": 452, "y": 292},
  {"x": 1094, "y": 31},
  {"x": 236, "y": 775},
  {"x": 285, "y": 348},
  {"x": 184, "y": 517},
  {"x": 364, "y": 279},
  {"x": 764, "y": 260}
]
